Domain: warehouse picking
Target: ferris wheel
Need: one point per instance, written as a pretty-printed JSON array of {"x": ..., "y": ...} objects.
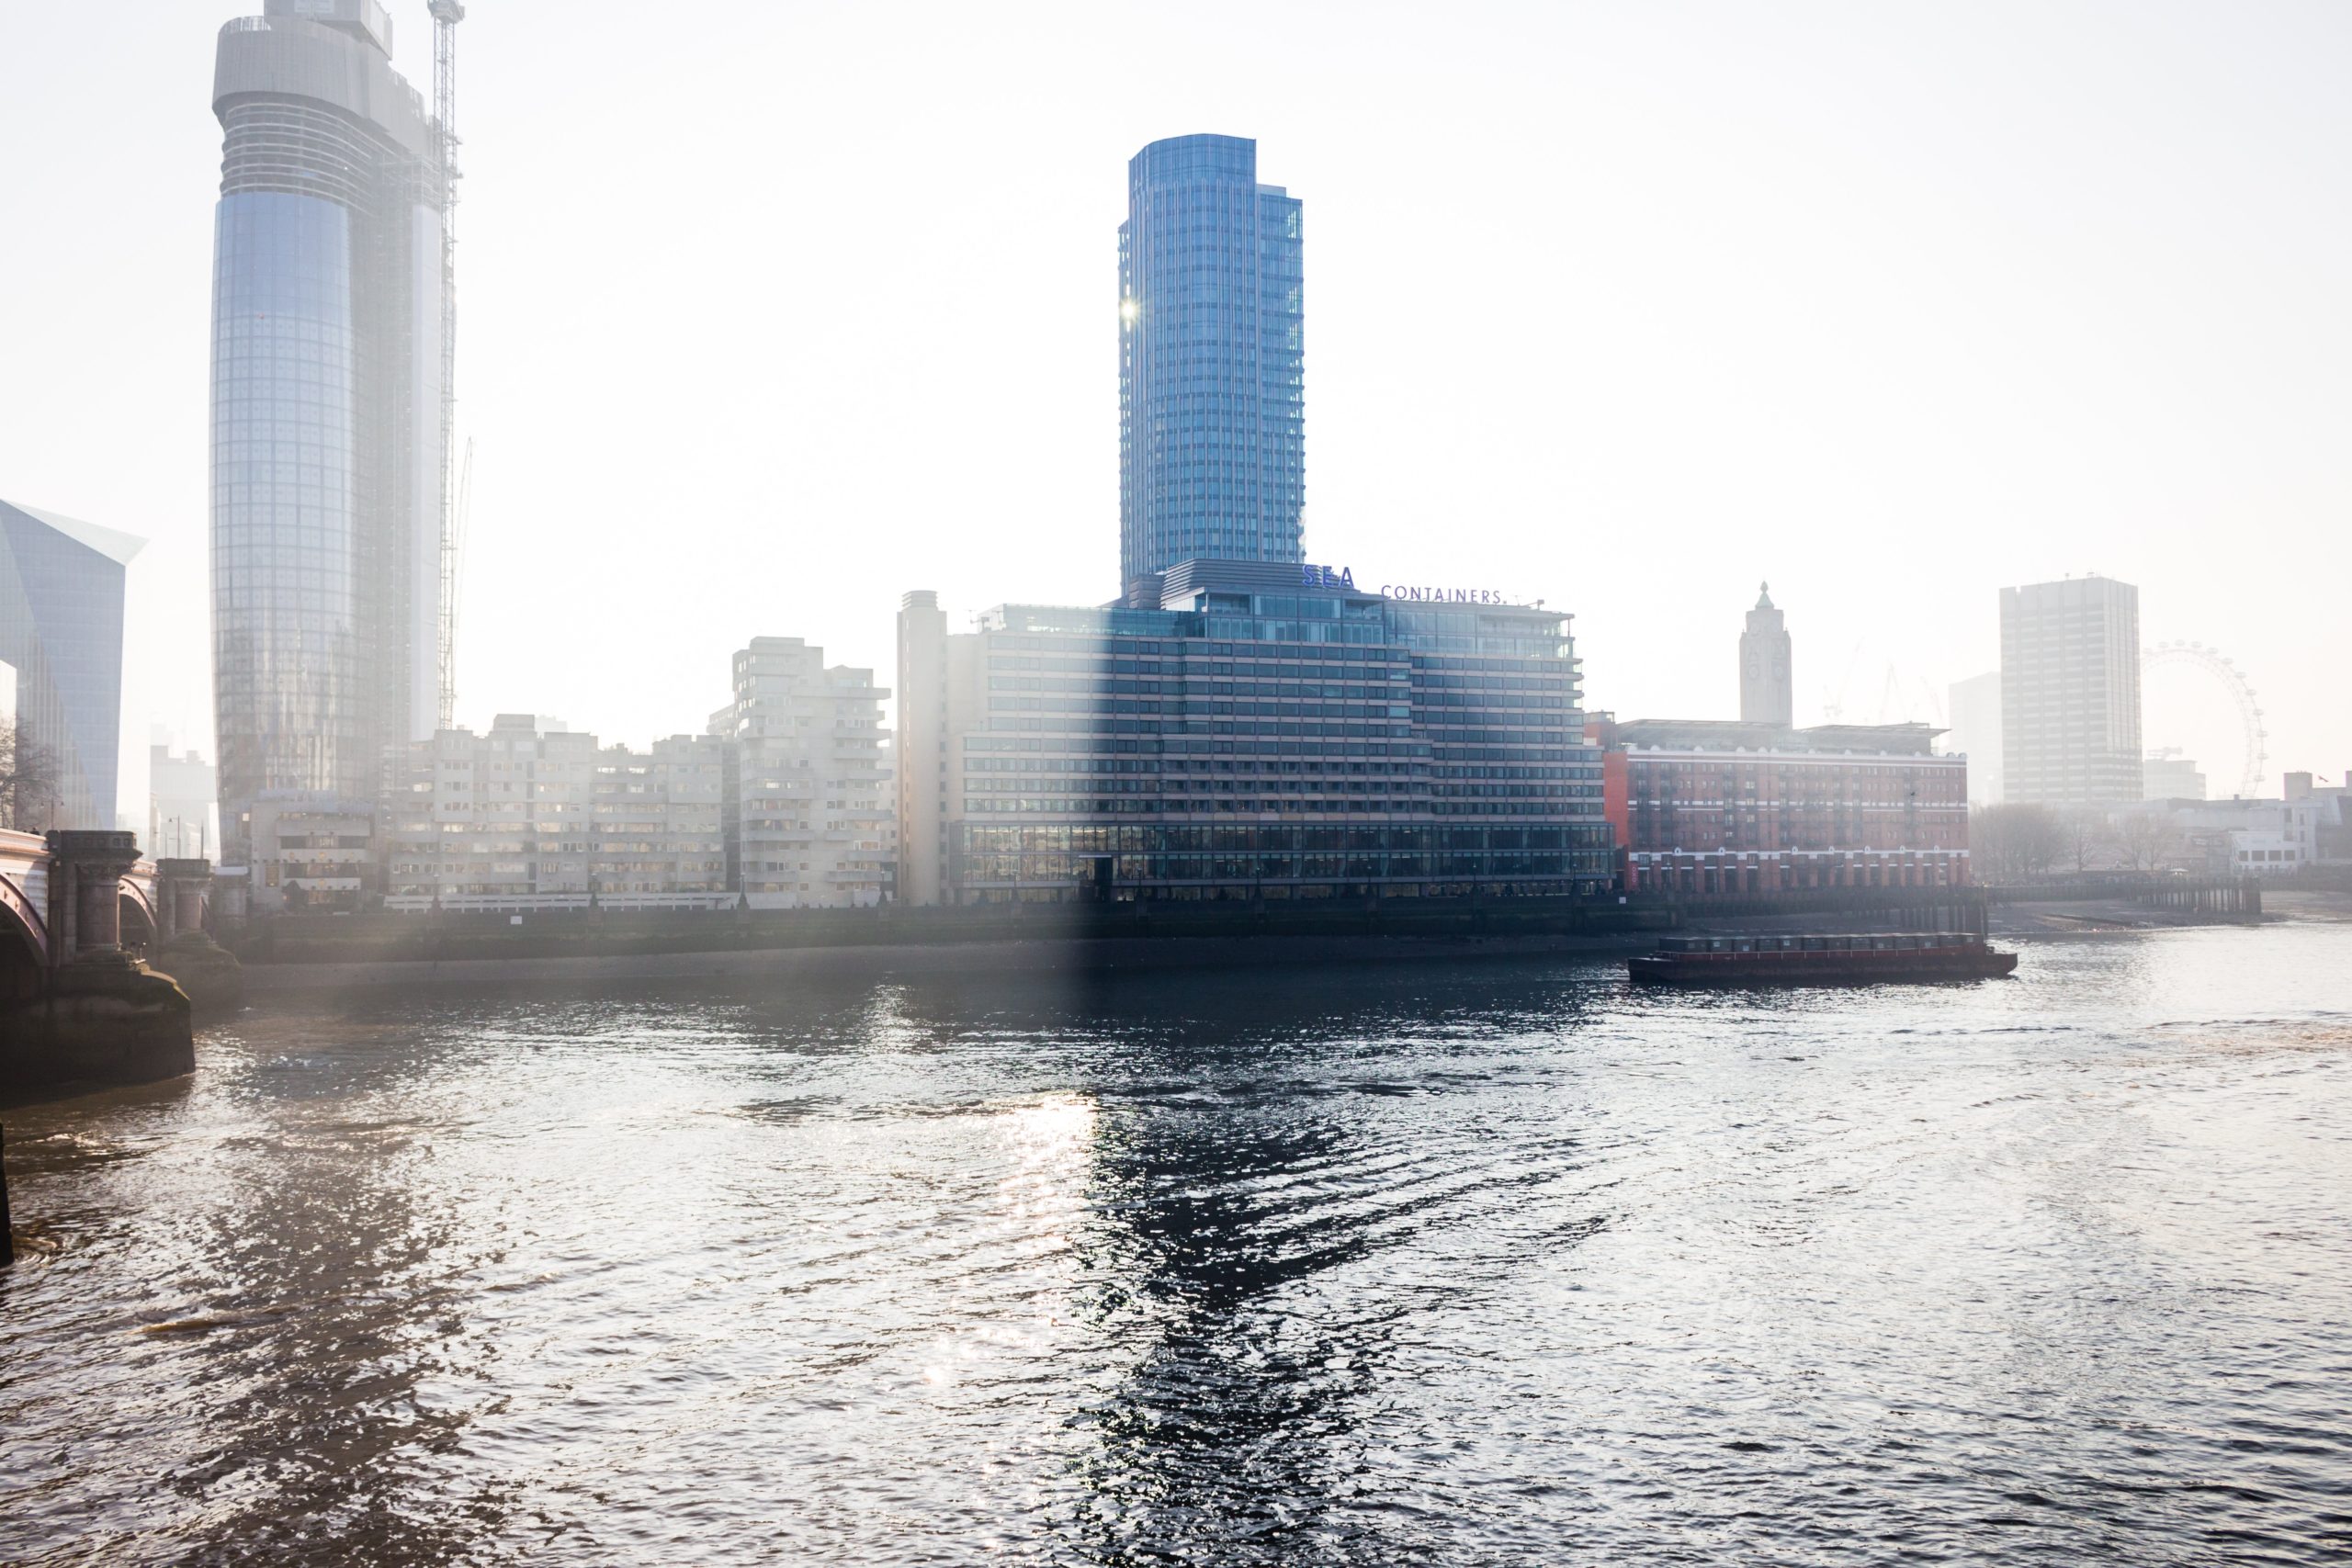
[{"x": 2217, "y": 664}]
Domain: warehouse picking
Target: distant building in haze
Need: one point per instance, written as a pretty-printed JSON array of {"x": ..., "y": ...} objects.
[
  {"x": 2167, "y": 777},
  {"x": 1975, "y": 733},
  {"x": 1767, "y": 682},
  {"x": 2070, "y": 692},
  {"x": 536, "y": 816},
  {"x": 327, "y": 307},
  {"x": 1211, "y": 443},
  {"x": 181, "y": 792},
  {"x": 61, "y": 628},
  {"x": 1718, "y": 808}
]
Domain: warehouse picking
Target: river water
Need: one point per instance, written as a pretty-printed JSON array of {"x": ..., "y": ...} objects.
[{"x": 1472, "y": 1263}]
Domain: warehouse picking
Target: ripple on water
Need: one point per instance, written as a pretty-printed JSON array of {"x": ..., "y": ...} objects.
[{"x": 1403, "y": 1264}]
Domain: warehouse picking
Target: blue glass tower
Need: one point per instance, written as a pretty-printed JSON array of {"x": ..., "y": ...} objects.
[
  {"x": 60, "y": 630},
  {"x": 326, "y": 408},
  {"x": 1212, "y": 426}
]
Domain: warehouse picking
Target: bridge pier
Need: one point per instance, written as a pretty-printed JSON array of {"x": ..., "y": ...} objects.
[
  {"x": 101, "y": 1016},
  {"x": 208, "y": 971}
]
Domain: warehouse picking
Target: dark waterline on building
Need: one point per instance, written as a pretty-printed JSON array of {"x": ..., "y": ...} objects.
[{"x": 1405, "y": 1264}]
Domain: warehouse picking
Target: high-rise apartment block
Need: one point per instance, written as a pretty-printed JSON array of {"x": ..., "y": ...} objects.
[
  {"x": 2070, "y": 692},
  {"x": 1212, "y": 431},
  {"x": 536, "y": 815},
  {"x": 1767, "y": 681},
  {"x": 1252, "y": 737},
  {"x": 810, "y": 819},
  {"x": 328, "y": 298},
  {"x": 61, "y": 630}
]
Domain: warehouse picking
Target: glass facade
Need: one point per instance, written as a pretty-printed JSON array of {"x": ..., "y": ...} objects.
[
  {"x": 1286, "y": 743},
  {"x": 1212, "y": 429},
  {"x": 60, "y": 631},
  {"x": 285, "y": 563},
  {"x": 326, "y": 320}
]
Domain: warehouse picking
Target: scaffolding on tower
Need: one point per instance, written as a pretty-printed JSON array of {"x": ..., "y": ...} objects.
[{"x": 447, "y": 14}]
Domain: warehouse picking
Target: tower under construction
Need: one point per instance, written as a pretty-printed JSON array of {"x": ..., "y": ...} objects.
[{"x": 331, "y": 361}]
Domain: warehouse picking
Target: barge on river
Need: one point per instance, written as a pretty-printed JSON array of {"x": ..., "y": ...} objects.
[{"x": 1860, "y": 960}]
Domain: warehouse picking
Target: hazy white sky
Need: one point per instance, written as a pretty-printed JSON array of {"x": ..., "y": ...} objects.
[{"x": 770, "y": 311}]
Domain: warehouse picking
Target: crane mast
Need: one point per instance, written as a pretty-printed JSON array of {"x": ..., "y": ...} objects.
[{"x": 447, "y": 14}]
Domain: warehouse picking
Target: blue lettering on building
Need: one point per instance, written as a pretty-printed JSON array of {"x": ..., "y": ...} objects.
[{"x": 1314, "y": 576}]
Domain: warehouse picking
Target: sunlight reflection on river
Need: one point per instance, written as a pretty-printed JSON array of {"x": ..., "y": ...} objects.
[{"x": 1409, "y": 1263}]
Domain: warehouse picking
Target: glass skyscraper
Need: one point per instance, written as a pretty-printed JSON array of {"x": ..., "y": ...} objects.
[
  {"x": 1212, "y": 429},
  {"x": 61, "y": 630},
  {"x": 326, "y": 428}
]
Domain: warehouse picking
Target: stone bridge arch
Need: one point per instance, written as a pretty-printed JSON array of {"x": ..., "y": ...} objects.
[
  {"x": 24, "y": 945},
  {"x": 141, "y": 930}
]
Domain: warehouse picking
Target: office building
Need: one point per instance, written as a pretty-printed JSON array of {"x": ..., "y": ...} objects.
[
  {"x": 534, "y": 816},
  {"x": 2164, "y": 777},
  {"x": 1975, "y": 733},
  {"x": 1767, "y": 679},
  {"x": 327, "y": 312},
  {"x": 2070, "y": 692},
  {"x": 1719, "y": 808},
  {"x": 1212, "y": 434},
  {"x": 1265, "y": 732},
  {"x": 181, "y": 822},
  {"x": 61, "y": 630},
  {"x": 810, "y": 817}
]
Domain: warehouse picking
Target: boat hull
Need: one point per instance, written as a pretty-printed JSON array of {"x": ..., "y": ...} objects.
[{"x": 1855, "y": 968}]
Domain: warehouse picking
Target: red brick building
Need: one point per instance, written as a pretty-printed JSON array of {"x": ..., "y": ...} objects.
[{"x": 1719, "y": 807}]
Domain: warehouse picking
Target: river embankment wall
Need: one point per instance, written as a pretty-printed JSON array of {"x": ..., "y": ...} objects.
[
  {"x": 876, "y": 961},
  {"x": 322, "y": 952}
]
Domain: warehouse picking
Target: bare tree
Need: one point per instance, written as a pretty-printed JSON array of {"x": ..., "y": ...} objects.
[
  {"x": 2147, "y": 840},
  {"x": 28, "y": 780},
  {"x": 2009, "y": 842},
  {"x": 2085, "y": 837}
]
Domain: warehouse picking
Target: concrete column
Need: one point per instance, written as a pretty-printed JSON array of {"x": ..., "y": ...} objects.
[{"x": 91, "y": 864}]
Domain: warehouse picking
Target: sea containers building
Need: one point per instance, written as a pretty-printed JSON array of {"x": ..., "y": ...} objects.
[
  {"x": 327, "y": 310},
  {"x": 1266, "y": 731}
]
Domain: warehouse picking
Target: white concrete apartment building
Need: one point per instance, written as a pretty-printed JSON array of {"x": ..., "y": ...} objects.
[
  {"x": 812, "y": 827},
  {"x": 2070, "y": 694},
  {"x": 311, "y": 850},
  {"x": 534, "y": 815}
]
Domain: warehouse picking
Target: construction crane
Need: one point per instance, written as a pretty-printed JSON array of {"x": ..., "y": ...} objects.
[{"x": 447, "y": 14}]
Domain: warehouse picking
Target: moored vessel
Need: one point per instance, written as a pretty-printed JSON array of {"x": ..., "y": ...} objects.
[{"x": 1859, "y": 959}]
